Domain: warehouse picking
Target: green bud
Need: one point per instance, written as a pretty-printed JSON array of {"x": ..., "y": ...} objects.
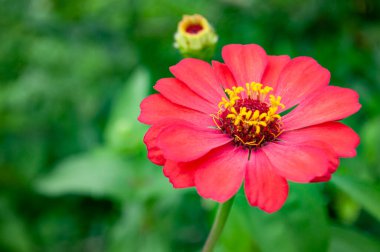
[{"x": 195, "y": 37}]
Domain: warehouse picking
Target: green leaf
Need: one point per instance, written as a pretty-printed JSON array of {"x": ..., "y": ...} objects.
[
  {"x": 99, "y": 173},
  {"x": 347, "y": 209},
  {"x": 124, "y": 132},
  {"x": 371, "y": 138},
  {"x": 363, "y": 192},
  {"x": 14, "y": 235},
  {"x": 132, "y": 232},
  {"x": 348, "y": 240},
  {"x": 294, "y": 227}
]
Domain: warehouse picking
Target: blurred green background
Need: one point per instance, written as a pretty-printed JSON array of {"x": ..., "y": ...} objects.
[{"x": 73, "y": 169}]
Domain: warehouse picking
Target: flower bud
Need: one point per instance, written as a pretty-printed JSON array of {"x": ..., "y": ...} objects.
[{"x": 195, "y": 37}]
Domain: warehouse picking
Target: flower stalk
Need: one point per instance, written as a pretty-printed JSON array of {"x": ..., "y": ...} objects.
[{"x": 218, "y": 225}]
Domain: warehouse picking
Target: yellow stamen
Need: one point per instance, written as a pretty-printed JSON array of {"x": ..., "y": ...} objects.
[
  {"x": 256, "y": 115},
  {"x": 245, "y": 117},
  {"x": 248, "y": 115},
  {"x": 215, "y": 118},
  {"x": 257, "y": 129}
]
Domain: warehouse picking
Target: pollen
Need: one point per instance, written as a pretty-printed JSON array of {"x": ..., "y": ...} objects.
[{"x": 250, "y": 115}]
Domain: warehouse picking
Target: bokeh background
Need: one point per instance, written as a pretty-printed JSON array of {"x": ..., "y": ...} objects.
[{"x": 73, "y": 169}]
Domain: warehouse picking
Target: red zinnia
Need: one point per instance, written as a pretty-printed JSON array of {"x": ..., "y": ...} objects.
[{"x": 214, "y": 126}]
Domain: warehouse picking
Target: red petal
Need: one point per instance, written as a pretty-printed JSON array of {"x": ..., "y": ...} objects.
[
  {"x": 246, "y": 62},
  {"x": 186, "y": 142},
  {"x": 328, "y": 104},
  {"x": 178, "y": 93},
  {"x": 273, "y": 70},
  {"x": 224, "y": 74},
  {"x": 181, "y": 175},
  {"x": 221, "y": 172},
  {"x": 300, "y": 162},
  {"x": 301, "y": 77},
  {"x": 155, "y": 108},
  {"x": 324, "y": 178},
  {"x": 263, "y": 186},
  {"x": 199, "y": 77},
  {"x": 341, "y": 138},
  {"x": 154, "y": 152},
  {"x": 327, "y": 176}
]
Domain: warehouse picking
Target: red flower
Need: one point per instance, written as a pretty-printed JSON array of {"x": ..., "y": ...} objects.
[{"x": 214, "y": 127}]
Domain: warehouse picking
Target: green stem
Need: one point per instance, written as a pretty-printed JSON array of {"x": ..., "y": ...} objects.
[{"x": 218, "y": 225}]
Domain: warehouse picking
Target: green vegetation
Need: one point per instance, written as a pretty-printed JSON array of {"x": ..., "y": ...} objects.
[{"x": 73, "y": 169}]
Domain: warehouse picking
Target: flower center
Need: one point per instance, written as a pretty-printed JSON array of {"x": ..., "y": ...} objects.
[
  {"x": 249, "y": 116},
  {"x": 194, "y": 28}
]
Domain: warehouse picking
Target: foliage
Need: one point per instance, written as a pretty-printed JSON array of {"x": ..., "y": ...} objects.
[{"x": 73, "y": 169}]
